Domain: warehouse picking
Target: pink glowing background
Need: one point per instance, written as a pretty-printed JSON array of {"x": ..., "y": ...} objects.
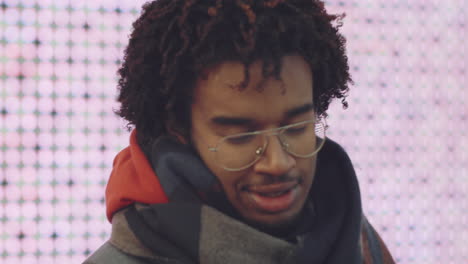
[{"x": 405, "y": 130}]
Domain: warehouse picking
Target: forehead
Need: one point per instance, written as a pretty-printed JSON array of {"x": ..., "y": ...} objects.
[{"x": 219, "y": 94}]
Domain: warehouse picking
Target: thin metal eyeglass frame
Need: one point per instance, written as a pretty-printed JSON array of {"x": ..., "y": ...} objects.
[{"x": 273, "y": 132}]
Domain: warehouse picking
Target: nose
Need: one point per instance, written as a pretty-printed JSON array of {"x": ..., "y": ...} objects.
[{"x": 275, "y": 160}]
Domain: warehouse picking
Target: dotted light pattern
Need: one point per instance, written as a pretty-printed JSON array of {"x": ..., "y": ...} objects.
[
  {"x": 405, "y": 129},
  {"x": 58, "y": 133}
]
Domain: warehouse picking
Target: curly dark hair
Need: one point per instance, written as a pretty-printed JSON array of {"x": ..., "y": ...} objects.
[{"x": 174, "y": 41}]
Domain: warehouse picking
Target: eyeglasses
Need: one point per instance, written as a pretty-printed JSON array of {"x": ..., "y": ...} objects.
[{"x": 240, "y": 151}]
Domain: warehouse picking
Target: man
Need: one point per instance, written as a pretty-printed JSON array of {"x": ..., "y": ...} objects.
[{"x": 228, "y": 161}]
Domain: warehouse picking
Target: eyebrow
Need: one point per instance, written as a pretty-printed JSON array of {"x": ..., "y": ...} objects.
[
  {"x": 241, "y": 121},
  {"x": 299, "y": 110}
]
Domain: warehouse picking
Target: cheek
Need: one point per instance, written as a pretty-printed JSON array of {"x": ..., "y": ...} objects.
[
  {"x": 230, "y": 182},
  {"x": 226, "y": 179}
]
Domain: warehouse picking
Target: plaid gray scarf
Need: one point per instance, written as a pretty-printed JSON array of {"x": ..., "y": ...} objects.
[{"x": 199, "y": 225}]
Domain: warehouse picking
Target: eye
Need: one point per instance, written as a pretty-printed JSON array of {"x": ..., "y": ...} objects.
[
  {"x": 241, "y": 139},
  {"x": 296, "y": 130}
]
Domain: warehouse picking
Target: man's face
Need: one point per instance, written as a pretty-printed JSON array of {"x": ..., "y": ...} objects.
[{"x": 272, "y": 192}]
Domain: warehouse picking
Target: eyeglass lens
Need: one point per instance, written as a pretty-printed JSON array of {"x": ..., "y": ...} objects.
[{"x": 240, "y": 151}]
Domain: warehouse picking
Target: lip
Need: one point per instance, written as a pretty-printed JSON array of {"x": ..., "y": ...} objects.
[
  {"x": 271, "y": 188},
  {"x": 277, "y": 204}
]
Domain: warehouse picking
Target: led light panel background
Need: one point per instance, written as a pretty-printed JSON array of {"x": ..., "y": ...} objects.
[{"x": 405, "y": 129}]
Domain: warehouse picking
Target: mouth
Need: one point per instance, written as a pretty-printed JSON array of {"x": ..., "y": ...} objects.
[{"x": 273, "y": 198}]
